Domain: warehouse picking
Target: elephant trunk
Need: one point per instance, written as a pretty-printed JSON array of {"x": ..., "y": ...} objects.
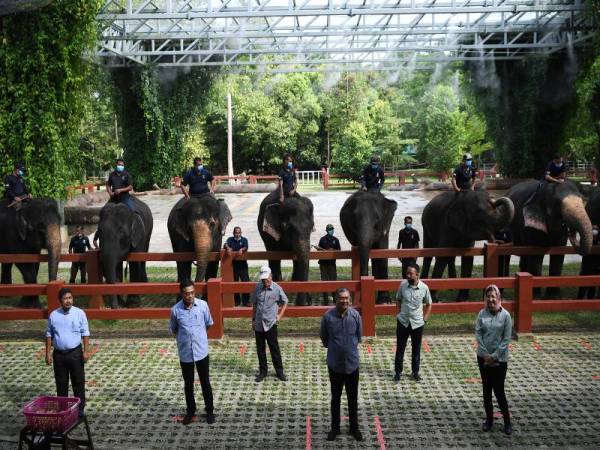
[
  {"x": 202, "y": 247},
  {"x": 576, "y": 218},
  {"x": 364, "y": 247},
  {"x": 53, "y": 243},
  {"x": 301, "y": 265},
  {"x": 110, "y": 261},
  {"x": 504, "y": 212}
]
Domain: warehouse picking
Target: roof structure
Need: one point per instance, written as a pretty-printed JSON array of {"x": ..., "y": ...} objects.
[{"x": 336, "y": 35}]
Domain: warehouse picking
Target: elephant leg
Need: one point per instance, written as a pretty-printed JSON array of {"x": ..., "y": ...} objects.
[
  {"x": 6, "y": 274},
  {"x": 466, "y": 270},
  {"x": 438, "y": 272},
  {"x": 212, "y": 269},
  {"x": 555, "y": 270},
  {"x": 534, "y": 267},
  {"x": 29, "y": 273},
  {"x": 298, "y": 274},
  {"x": 451, "y": 267},
  {"x": 380, "y": 271},
  {"x": 184, "y": 271},
  {"x": 275, "y": 266},
  {"x": 426, "y": 265},
  {"x": 135, "y": 275}
]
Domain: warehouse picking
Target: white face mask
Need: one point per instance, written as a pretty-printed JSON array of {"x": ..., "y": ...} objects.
[{"x": 595, "y": 232}]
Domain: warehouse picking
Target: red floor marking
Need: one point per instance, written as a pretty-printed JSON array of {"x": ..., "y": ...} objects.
[
  {"x": 143, "y": 350},
  {"x": 586, "y": 344},
  {"x": 308, "y": 434},
  {"x": 426, "y": 346},
  {"x": 473, "y": 380},
  {"x": 498, "y": 415},
  {"x": 91, "y": 382},
  {"x": 164, "y": 351},
  {"x": 537, "y": 346},
  {"x": 369, "y": 350},
  {"x": 393, "y": 349},
  {"x": 180, "y": 418},
  {"x": 301, "y": 347},
  {"x": 379, "y": 433},
  {"x": 243, "y": 350},
  {"x": 1, "y": 348},
  {"x": 511, "y": 347},
  {"x": 595, "y": 377},
  {"x": 40, "y": 353},
  {"x": 94, "y": 350},
  {"x": 474, "y": 344}
]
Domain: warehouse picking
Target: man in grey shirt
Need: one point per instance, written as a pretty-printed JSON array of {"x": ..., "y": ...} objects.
[
  {"x": 268, "y": 306},
  {"x": 411, "y": 296},
  {"x": 341, "y": 332}
]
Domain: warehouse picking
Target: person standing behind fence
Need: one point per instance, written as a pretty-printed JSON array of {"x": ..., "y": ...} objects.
[
  {"x": 79, "y": 244},
  {"x": 411, "y": 319},
  {"x": 328, "y": 267},
  {"x": 190, "y": 318},
  {"x": 408, "y": 237},
  {"x": 341, "y": 332},
  {"x": 67, "y": 328},
  {"x": 492, "y": 331},
  {"x": 238, "y": 244},
  {"x": 268, "y": 307}
]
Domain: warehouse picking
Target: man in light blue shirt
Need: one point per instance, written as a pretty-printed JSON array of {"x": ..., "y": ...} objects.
[
  {"x": 190, "y": 318},
  {"x": 67, "y": 328}
]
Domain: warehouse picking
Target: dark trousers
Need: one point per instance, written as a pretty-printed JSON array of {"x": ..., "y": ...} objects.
[
  {"x": 70, "y": 365},
  {"x": 187, "y": 371},
  {"x": 328, "y": 273},
  {"x": 338, "y": 381},
  {"x": 240, "y": 273},
  {"x": 405, "y": 263},
  {"x": 271, "y": 339},
  {"x": 590, "y": 265},
  {"x": 492, "y": 379},
  {"x": 77, "y": 267},
  {"x": 416, "y": 336}
]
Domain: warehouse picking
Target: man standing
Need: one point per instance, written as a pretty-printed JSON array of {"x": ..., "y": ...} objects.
[
  {"x": 268, "y": 306},
  {"x": 237, "y": 244},
  {"x": 328, "y": 267},
  {"x": 199, "y": 180},
  {"x": 463, "y": 177},
  {"x": 341, "y": 332},
  {"x": 79, "y": 244},
  {"x": 15, "y": 189},
  {"x": 119, "y": 185},
  {"x": 411, "y": 319},
  {"x": 190, "y": 318},
  {"x": 408, "y": 238},
  {"x": 373, "y": 177},
  {"x": 67, "y": 327},
  {"x": 288, "y": 183}
]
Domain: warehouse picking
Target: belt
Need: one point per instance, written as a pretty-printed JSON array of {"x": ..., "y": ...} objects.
[{"x": 65, "y": 352}]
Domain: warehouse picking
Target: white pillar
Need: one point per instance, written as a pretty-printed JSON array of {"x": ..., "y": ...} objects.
[{"x": 229, "y": 139}]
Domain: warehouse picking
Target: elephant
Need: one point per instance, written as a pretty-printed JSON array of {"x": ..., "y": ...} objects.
[
  {"x": 287, "y": 227},
  {"x": 34, "y": 227},
  {"x": 197, "y": 225},
  {"x": 546, "y": 215},
  {"x": 120, "y": 232},
  {"x": 366, "y": 218},
  {"x": 457, "y": 220}
]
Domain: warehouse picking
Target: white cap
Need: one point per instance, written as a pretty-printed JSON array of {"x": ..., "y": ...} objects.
[{"x": 265, "y": 272}]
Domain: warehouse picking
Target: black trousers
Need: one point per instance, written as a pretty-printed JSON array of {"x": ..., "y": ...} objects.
[
  {"x": 405, "y": 263},
  {"x": 416, "y": 336},
  {"x": 187, "y": 371},
  {"x": 328, "y": 273},
  {"x": 338, "y": 381},
  {"x": 78, "y": 267},
  {"x": 240, "y": 273},
  {"x": 270, "y": 337},
  {"x": 69, "y": 365},
  {"x": 492, "y": 379}
]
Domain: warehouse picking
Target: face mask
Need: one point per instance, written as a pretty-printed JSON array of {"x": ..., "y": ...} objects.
[
  {"x": 120, "y": 168},
  {"x": 408, "y": 226},
  {"x": 237, "y": 238},
  {"x": 374, "y": 166},
  {"x": 199, "y": 167},
  {"x": 21, "y": 173},
  {"x": 469, "y": 163},
  {"x": 330, "y": 232},
  {"x": 290, "y": 165}
]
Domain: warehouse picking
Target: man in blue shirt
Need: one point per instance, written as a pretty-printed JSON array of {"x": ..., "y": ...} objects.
[
  {"x": 79, "y": 244},
  {"x": 373, "y": 177},
  {"x": 15, "y": 189},
  {"x": 199, "y": 180},
  {"x": 237, "y": 245},
  {"x": 341, "y": 332},
  {"x": 190, "y": 318},
  {"x": 67, "y": 327}
]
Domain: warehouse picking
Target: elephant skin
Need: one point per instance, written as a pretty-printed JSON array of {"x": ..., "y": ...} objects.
[
  {"x": 197, "y": 225},
  {"x": 457, "y": 220},
  {"x": 287, "y": 227},
  {"x": 122, "y": 231},
  {"x": 548, "y": 219},
  {"x": 366, "y": 218},
  {"x": 34, "y": 227}
]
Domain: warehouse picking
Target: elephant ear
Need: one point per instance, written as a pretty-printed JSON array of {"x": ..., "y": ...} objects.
[
  {"x": 456, "y": 214},
  {"x": 533, "y": 217},
  {"x": 224, "y": 215},
  {"x": 388, "y": 214},
  {"x": 272, "y": 222},
  {"x": 22, "y": 226},
  {"x": 138, "y": 231}
]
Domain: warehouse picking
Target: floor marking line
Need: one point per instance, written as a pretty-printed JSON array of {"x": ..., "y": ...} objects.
[
  {"x": 586, "y": 344},
  {"x": 537, "y": 346},
  {"x": 308, "y": 433},
  {"x": 380, "y": 437},
  {"x": 143, "y": 349},
  {"x": 243, "y": 350},
  {"x": 301, "y": 347},
  {"x": 426, "y": 346}
]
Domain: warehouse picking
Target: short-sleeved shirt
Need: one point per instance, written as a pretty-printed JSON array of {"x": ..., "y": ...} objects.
[
  {"x": 373, "y": 178},
  {"x": 341, "y": 336},
  {"x": 288, "y": 178},
  {"x": 554, "y": 170},
  {"x": 464, "y": 176},
  {"x": 66, "y": 328},
  {"x": 329, "y": 243},
  {"x": 79, "y": 244},
  {"x": 120, "y": 180},
  {"x": 412, "y": 299},
  {"x": 236, "y": 246},
  {"x": 267, "y": 302},
  {"x": 493, "y": 332},
  {"x": 189, "y": 327},
  {"x": 14, "y": 186},
  {"x": 197, "y": 181}
]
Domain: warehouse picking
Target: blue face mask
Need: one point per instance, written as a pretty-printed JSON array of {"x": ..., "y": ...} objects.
[
  {"x": 330, "y": 232},
  {"x": 374, "y": 166},
  {"x": 120, "y": 168},
  {"x": 469, "y": 163},
  {"x": 20, "y": 172},
  {"x": 408, "y": 226},
  {"x": 199, "y": 167},
  {"x": 290, "y": 165}
]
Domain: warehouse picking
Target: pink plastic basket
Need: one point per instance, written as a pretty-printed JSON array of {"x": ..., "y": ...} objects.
[{"x": 51, "y": 414}]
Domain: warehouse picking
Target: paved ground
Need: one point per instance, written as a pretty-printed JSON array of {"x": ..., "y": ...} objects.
[{"x": 136, "y": 396}]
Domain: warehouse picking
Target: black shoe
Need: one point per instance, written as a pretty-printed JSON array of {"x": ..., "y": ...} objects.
[
  {"x": 397, "y": 377},
  {"x": 282, "y": 376},
  {"x": 487, "y": 425},
  {"x": 356, "y": 434},
  {"x": 332, "y": 435},
  {"x": 261, "y": 376},
  {"x": 187, "y": 419},
  {"x": 508, "y": 428},
  {"x": 210, "y": 418},
  {"x": 416, "y": 377}
]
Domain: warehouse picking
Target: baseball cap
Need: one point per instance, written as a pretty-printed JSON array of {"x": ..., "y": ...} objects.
[
  {"x": 329, "y": 227},
  {"x": 265, "y": 272}
]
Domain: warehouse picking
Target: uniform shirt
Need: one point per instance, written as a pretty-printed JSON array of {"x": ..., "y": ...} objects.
[
  {"x": 120, "y": 180},
  {"x": 372, "y": 178},
  {"x": 236, "y": 246},
  {"x": 197, "y": 181},
  {"x": 412, "y": 298},
  {"x": 408, "y": 238},
  {"x": 189, "y": 326},
  {"x": 341, "y": 336},
  {"x": 267, "y": 302},
  {"x": 14, "y": 186},
  {"x": 492, "y": 332},
  {"x": 66, "y": 328},
  {"x": 288, "y": 177},
  {"x": 79, "y": 244},
  {"x": 555, "y": 171},
  {"x": 329, "y": 243},
  {"x": 464, "y": 175}
]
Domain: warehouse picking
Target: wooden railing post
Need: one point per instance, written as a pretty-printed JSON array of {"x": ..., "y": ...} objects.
[
  {"x": 490, "y": 259},
  {"x": 325, "y": 179},
  {"x": 94, "y": 276},
  {"x": 227, "y": 275},
  {"x": 367, "y": 290},
  {"x": 356, "y": 271},
  {"x": 52, "y": 294},
  {"x": 523, "y": 306},
  {"x": 215, "y": 304}
]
